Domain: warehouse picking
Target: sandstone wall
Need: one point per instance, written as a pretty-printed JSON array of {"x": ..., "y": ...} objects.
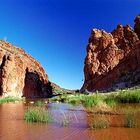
[
  {"x": 111, "y": 56},
  {"x": 20, "y": 74}
]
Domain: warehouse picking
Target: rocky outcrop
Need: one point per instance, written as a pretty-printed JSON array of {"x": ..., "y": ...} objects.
[
  {"x": 59, "y": 90},
  {"x": 20, "y": 74},
  {"x": 137, "y": 25},
  {"x": 112, "y": 57}
]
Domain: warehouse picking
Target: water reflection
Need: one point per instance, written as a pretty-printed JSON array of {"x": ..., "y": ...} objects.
[{"x": 13, "y": 127}]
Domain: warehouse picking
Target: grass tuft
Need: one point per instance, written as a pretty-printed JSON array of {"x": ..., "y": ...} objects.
[
  {"x": 37, "y": 114},
  {"x": 40, "y": 104},
  {"x": 9, "y": 99},
  {"x": 111, "y": 102},
  {"x": 92, "y": 100},
  {"x": 129, "y": 96}
]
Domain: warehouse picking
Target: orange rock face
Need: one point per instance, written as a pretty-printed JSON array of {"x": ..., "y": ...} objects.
[
  {"x": 111, "y": 57},
  {"x": 20, "y": 74}
]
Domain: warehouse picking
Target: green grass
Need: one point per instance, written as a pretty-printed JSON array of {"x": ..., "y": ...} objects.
[
  {"x": 9, "y": 99},
  {"x": 40, "y": 104},
  {"x": 37, "y": 114},
  {"x": 73, "y": 102},
  {"x": 86, "y": 100},
  {"x": 92, "y": 100},
  {"x": 60, "y": 98},
  {"x": 74, "y": 99},
  {"x": 111, "y": 99},
  {"x": 112, "y": 102},
  {"x": 129, "y": 96},
  {"x": 123, "y": 96}
]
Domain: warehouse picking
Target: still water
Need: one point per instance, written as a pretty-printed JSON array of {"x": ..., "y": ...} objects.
[{"x": 13, "y": 126}]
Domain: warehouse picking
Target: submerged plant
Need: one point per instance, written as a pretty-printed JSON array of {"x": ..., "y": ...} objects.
[
  {"x": 65, "y": 122},
  {"x": 100, "y": 122},
  {"x": 65, "y": 119},
  {"x": 130, "y": 118},
  {"x": 130, "y": 121}
]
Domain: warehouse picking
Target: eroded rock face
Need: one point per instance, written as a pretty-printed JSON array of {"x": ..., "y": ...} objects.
[
  {"x": 20, "y": 74},
  {"x": 137, "y": 25},
  {"x": 110, "y": 56}
]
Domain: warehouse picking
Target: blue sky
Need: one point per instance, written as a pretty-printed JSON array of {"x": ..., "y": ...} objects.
[{"x": 56, "y": 32}]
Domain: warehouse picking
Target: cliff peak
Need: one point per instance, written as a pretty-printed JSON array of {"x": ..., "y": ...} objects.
[{"x": 113, "y": 57}]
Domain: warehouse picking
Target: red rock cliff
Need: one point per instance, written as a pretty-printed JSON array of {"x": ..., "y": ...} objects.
[
  {"x": 112, "y": 57},
  {"x": 20, "y": 74}
]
